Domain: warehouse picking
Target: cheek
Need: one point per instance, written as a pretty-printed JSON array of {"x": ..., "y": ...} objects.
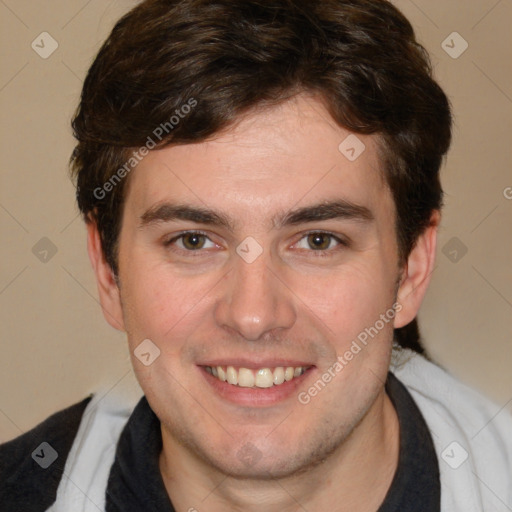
[
  {"x": 160, "y": 305},
  {"x": 348, "y": 300}
]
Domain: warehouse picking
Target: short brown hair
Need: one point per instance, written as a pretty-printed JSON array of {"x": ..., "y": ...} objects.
[{"x": 230, "y": 56}]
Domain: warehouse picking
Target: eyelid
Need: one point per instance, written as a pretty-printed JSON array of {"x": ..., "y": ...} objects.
[
  {"x": 177, "y": 236},
  {"x": 343, "y": 241}
]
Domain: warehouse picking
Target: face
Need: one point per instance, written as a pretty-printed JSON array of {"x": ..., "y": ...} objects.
[{"x": 260, "y": 250}]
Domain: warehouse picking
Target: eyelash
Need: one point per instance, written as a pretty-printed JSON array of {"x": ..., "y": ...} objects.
[{"x": 318, "y": 253}]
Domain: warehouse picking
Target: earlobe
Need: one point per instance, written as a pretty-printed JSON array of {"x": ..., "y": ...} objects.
[
  {"x": 108, "y": 289},
  {"x": 416, "y": 273}
]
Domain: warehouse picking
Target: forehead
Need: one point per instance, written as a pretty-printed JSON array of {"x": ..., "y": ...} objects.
[{"x": 275, "y": 158}]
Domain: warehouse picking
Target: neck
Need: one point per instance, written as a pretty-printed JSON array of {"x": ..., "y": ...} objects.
[{"x": 355, "y": 477}]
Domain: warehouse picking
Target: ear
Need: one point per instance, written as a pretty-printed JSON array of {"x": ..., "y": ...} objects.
[
  {"x": 416, "y": 273},
  {"x": 108, "y": 289}
]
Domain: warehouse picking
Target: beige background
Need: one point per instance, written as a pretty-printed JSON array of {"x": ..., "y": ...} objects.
[{"x": 56, "y": 346}]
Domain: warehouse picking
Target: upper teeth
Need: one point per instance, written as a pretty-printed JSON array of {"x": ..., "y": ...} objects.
[{"x": 260, "y": 378}]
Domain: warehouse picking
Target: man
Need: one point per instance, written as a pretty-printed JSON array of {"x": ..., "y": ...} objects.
[{"x": 260, "y": 182}]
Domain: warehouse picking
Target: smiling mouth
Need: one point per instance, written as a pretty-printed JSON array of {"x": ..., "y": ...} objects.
[{"x": 256, "y": 378}]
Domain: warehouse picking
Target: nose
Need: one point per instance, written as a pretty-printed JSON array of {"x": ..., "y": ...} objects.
[{"x": 255, "y": 300}]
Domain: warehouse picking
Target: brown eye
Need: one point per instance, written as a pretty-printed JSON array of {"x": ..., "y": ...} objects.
[
  {"x": 319, "y": 241},
  {"x": 193, "y": 241}
]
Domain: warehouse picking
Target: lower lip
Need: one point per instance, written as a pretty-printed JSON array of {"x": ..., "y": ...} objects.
[{"x": 256, "y": 397}]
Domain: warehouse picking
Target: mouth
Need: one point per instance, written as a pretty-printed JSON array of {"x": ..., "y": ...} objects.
[
  {"x": 256, "y": 386},
  {"x": 256, "y": 378}
]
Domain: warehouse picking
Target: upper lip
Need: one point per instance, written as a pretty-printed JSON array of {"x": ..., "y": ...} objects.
[{"x": 255, "y": 364}]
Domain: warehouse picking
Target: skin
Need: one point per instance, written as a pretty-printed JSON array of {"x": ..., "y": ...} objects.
[{"x": 339, "y": 451}]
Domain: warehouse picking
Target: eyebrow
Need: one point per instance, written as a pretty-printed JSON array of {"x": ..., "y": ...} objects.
[
  {"x": 328, "y": 210},
  {"x": 167, "y": 212},
  {"x": 339, "y": 209}
]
